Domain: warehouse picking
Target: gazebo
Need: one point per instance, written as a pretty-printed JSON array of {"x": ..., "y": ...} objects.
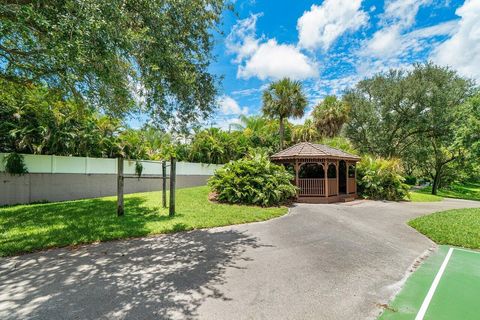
[{"x": 322, "y": 174}]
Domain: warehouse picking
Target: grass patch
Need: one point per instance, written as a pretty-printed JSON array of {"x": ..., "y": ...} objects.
[
  {"x": 468, "y": 191},
  {"x": 27, "y": 228},
  {"x": 424, "y": 197},
  {"x": 460, "y": 227}
]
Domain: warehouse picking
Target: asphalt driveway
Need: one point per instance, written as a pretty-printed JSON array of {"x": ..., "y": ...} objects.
[{"x": 337, "y": 261}]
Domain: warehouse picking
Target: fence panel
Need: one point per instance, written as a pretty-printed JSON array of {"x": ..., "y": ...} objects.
[{"x": 87, "y": 165}]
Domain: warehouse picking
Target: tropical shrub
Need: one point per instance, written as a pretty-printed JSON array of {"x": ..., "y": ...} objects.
[
  {"x": 14, "y": 164},
  {"x": 381, "y": 179},
  {"x": 252, "y": 180}
]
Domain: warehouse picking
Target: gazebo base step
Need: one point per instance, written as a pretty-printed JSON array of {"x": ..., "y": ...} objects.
[{"x": 332, "y": 199}]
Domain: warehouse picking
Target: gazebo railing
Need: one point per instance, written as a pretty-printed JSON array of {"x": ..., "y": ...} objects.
[{"x": 311, "y": 187}]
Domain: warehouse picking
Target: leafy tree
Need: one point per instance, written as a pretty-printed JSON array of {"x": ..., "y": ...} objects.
[
  {"x": 383, "y": 118},
  {"x": 416, "y": 115},
  {"x": 284, "y": 99},
  {"x": 330, "y": 115},
  {"x": 115, "y": 54}
]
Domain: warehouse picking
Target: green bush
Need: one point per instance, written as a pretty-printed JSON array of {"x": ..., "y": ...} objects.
[
  {"x": 252, "y": 180},
  {"x": 381, "y": 179},
  {"x": 410, "y": 180},
  {"x": 14, "y": 164}
]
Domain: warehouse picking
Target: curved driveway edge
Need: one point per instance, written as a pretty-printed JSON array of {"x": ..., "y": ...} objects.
[{"x": 333, "y": 261}]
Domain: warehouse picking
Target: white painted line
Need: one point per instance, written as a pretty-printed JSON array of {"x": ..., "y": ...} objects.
[
  {"x": 428, "y": 298},
  {"x": 465, "y": 250}
]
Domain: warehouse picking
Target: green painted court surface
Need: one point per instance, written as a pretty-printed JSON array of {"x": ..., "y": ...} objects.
[{"x": 456, "y": 295}]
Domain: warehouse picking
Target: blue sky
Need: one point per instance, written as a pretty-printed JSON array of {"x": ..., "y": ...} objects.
[{"x": 330, "y": 45}]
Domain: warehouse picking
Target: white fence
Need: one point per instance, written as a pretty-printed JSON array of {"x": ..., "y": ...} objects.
[{"x": 86, "y": 165}]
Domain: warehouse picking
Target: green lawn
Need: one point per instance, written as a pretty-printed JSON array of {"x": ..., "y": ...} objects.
[
  {"x": 27, "y": 228},
  {"x": 469, "y": 191},
  {"x": 460, "y": 227},
  {"x": 424, "y": 197}
]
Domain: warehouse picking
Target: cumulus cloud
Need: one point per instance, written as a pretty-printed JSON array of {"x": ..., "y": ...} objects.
[
  {"x": 274, "y": 60},
  {"x": 228, "y": 106},
  {"x": 398, "y": 17},
  {"x": 266, "y": 58},
  {"x": 323, "y": 24},
  {"x": 462, "y": 50},
  {"x": 242, "y": 40}
]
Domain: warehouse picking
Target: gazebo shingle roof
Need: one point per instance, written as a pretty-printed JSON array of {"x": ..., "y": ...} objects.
[{"x": 312, "y": 150}]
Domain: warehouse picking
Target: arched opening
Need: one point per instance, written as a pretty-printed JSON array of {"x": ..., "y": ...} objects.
[
  {"x": 351, "y": 171},
  {"x": 311, "y": 171},
  {"x": 342, "y": 177},
  {"x": 311, "y": 180},
  {"x": 332, "y": 171}
]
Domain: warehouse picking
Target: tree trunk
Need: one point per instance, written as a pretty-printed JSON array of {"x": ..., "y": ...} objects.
[
  {"x": 436, "y": 181},
  {"x": 281, "y": 133}
]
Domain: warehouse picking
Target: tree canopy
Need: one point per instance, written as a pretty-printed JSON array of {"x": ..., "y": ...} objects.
[
  {"x": 418, "y": 115},
  {"x": 115, "y": 55}
]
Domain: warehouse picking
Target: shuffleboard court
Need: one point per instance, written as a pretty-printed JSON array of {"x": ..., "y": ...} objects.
[{"x": 446, "y": 286}]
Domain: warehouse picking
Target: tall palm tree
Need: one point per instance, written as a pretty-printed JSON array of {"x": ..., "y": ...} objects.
[
  {"x": 284, "y": 99},
  {"x": 330, "y": 115}
]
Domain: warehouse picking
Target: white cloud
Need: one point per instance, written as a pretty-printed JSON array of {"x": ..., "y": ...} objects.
[
  {"x": 323, "y": 24},
  {"x": 228, "y": 106},
  {"x": 462, "y": 50},
  {"x": 398, "y": 17},
  {"x": 273, "y": 60},
  {"x": 242, "y": 39},
  {"x": 265, "y": 58},
  {"x": 402, "y": 12}
]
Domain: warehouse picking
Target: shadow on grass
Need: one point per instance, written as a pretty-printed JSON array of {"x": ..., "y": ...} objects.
[
  {"x": 147, "y": 278},
  {"x": 70, "y": 223}
]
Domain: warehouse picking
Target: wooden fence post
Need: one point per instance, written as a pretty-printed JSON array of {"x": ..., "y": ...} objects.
[
  {"x": 120, "y": 186},
  {"x": 164, "y": 183},
  {"x": 173, "y": 169}
]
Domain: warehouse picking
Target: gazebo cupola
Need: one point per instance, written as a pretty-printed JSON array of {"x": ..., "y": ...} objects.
[{"x": 323, "y": 174}]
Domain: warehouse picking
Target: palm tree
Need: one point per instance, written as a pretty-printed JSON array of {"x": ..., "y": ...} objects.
[
  {"x": 284, "y": 99},
  {"x": 330, "y": 115},
  {"x": 253, "y": 123},
  {"x": 305, "y": 132}
]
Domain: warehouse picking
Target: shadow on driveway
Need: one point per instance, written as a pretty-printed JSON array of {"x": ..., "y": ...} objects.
[{"x": 149, "y": 278}]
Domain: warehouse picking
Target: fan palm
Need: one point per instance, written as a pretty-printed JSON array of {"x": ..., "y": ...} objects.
[
  {"x": 330, "y": 115},
  {"x": 284, "y": 99}
]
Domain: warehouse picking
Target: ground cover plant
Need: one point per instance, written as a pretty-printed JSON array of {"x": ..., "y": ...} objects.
[
  {"x": 460, "y": 227},
  {"x": 27, "y": 228},
  {"x": 253, "y": 180}
]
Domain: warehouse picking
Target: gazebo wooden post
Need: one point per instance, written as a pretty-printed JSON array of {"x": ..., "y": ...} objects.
[
  {"x": 346, "y": 175},
  {"x": 355, "y": 184},
  {"x": 336, "y": 175},
  {"x": 325, "y": 171},
  {"x": 296, "y": 176}
]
